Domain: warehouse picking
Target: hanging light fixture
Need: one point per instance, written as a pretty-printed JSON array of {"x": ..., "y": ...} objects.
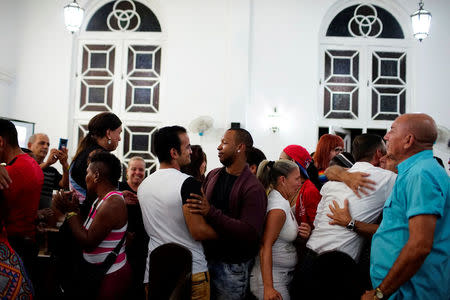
[
  {"x": 421, "y": 21},
  {"x": 73, "y": 16}
]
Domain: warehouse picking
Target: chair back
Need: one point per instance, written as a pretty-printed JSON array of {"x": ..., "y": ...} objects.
[{"x": 170, "y": 270}]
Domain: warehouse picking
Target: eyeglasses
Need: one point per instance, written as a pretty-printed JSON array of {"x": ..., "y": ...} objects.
[{"x": 338, "y": 149}]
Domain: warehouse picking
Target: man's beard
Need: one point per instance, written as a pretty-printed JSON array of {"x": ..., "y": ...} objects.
[{"x": 228, "y": 161}]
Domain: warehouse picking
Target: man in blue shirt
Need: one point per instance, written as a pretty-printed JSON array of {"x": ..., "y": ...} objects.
[{"x": 410, "y": 256}]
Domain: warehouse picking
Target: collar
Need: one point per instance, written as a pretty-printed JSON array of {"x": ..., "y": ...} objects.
[
  {"x": 407, "y": 164},
  {"x": 15, "y": 158},
  {"x": 244, "y": 170}
]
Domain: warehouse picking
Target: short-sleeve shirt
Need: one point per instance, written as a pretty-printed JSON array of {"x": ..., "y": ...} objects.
[
  {"x": 422, "y": 188},
  {"x": 162, "y": 212},
  {"x": 22, "y": 196},
  {"x": 283, "y": 250}
]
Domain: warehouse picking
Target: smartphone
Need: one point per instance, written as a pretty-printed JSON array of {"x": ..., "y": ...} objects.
[{"x": 62, "y": 143}]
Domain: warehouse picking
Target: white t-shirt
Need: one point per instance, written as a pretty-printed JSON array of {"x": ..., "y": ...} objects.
[
  {"x": 326, "y": 237},
  {"x": 284, "y": 255},
  {"x": 161, "y": 204}
]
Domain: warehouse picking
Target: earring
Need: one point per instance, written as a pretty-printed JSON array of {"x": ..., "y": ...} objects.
[{"x": 109, "y": 141}]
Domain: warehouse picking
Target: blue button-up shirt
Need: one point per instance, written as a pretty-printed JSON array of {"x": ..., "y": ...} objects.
[{"x": 422, "y": 188}]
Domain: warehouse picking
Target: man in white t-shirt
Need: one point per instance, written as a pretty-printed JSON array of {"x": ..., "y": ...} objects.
[
  {"x": 367, "y": 150},
  {"x": 165, "y": 217},
  {"x": 323, "y": 261}
]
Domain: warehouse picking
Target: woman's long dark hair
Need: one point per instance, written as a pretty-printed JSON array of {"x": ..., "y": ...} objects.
[
  {"x": 97, "y": 128},
  {"x": 197, "y": 158}
]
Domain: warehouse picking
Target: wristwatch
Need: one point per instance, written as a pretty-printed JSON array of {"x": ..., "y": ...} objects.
[
  {"x": 378, "y": 294},
  {"x": 351, "y": 225}
]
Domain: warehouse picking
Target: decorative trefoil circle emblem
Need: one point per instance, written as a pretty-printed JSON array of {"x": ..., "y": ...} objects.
[
  {"x": 365, "y": 22},
  {"x": 123, "y": 17}
]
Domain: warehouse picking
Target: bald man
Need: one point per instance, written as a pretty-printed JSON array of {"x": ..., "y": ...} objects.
[
  {"x": 410, "y": 257},
  {"x": 39, "y": 144}
]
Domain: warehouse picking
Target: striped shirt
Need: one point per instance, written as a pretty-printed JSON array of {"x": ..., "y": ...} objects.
[
  {"x": 51, "y": 182},
  {"x": 99, "y": 254}
]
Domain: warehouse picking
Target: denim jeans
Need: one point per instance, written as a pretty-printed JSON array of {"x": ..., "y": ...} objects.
[{"x": 229, "y": 281}]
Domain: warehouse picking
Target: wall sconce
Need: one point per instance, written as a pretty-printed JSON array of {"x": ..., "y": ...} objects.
[
  {"x": 73, "y": 16},
  {"x": 274, "y": 120},
  {"x": 421, "y": 21}
]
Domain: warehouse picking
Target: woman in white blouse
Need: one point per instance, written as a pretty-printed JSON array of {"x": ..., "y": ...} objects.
[{"x": 273, "y": 269}]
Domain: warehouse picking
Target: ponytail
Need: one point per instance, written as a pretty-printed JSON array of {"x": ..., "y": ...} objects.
[{"x": 269, "y": 172}]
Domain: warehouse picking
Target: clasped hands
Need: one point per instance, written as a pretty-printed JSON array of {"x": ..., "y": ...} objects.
[{"x": 66, "y": 201}]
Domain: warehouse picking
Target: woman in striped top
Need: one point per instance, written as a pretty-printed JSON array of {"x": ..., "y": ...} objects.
[{"x": 105, "y": 226}]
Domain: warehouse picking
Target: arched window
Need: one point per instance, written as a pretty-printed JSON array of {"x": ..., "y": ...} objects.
[
  {"x": 119, "y": 69},
  {"x": 363, "y": 68}
]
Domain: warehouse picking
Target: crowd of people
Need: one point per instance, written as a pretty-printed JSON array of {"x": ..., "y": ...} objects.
[{"x": 370, "y": 224}]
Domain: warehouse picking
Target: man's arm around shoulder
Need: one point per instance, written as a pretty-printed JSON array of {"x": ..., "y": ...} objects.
[{"x": 199, "y": 229}]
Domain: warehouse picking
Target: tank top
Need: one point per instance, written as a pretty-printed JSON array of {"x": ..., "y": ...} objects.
[{"x": 99, "y": 254}]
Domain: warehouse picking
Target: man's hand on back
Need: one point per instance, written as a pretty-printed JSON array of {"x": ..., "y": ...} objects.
[
  {"x": 339, "y": 216},
  {"x": 358, "y": 182},
  {"x": 198, "y": 204}
]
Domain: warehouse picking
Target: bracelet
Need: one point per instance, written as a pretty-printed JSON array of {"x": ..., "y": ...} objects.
[{"x": 70, "y": 215}]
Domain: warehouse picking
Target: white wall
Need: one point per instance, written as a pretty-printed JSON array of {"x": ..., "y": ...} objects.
[
  {"x": 8, "y": 58},
  {"x": 40, "y": 54},
  {"x": 433, "y": 63},
  {"x": 233, "y": 60},
  {"x": 284, "y": 72}
]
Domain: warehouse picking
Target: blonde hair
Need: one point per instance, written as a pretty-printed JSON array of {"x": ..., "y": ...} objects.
[{"x": 269, "y": 172}]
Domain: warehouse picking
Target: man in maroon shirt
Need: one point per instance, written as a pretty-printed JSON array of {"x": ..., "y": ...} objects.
[
  {"x": 235, "y": 207},
  {"x": 21, "y": 198}
]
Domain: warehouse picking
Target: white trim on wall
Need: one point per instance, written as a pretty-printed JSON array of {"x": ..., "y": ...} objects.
[
  {"x": 120, "y": 40},
  {"x": 394, "y": 7},
  {"x": 365, "y": 46}
]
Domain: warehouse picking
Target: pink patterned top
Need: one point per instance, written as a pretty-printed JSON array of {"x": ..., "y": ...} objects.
[{"x": 99, "y": 254}]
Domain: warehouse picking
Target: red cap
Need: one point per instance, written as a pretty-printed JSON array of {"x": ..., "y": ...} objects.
[{"x": 300, "y": 155}]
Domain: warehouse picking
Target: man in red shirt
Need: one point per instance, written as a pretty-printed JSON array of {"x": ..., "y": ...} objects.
[{"x": 21, "y": 198}]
